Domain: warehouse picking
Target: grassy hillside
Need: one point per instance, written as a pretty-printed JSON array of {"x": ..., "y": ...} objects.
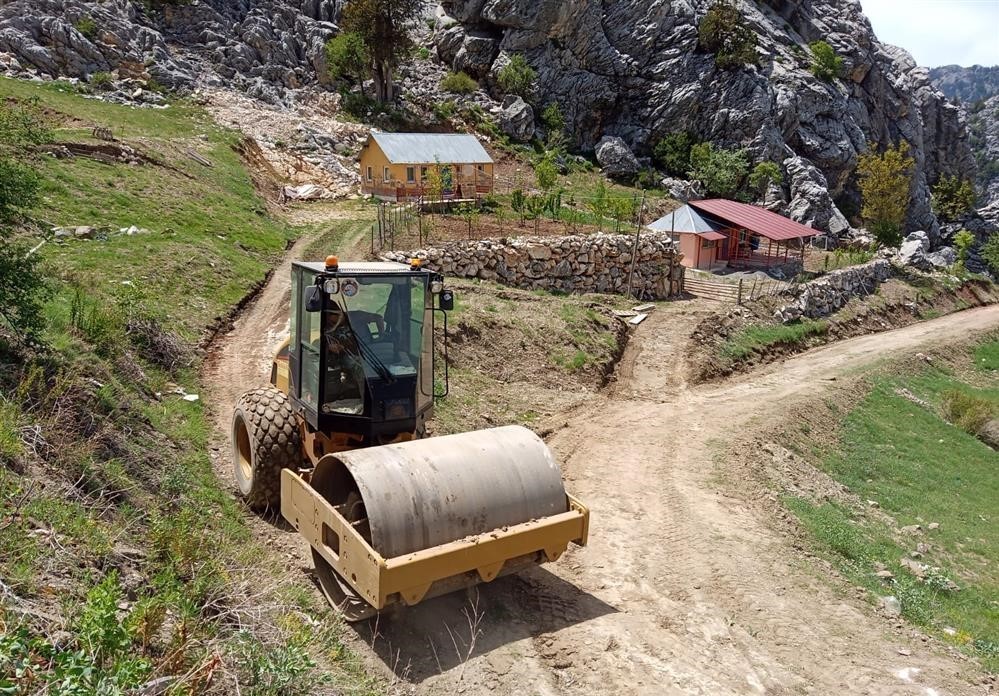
[
  {"x": 122, "y": 560},
  {"x": 910, "y": 446}
]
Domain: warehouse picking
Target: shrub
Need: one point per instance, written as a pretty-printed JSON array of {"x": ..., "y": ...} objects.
[
  {"x": 721, "y": 171},
  {"x": 967, "y": 411},
  {"x": 423, "y": 53},
  {"x": 884, "y": 181},
  {"x": 517, "y": 77},
  {"x": 990, "y": 252},
  {"x": 723, "y": 31},
  {"x": 19, "y": 185},
  {"x": 764, "y": 174},
  {"x": 21, "y": 285},
  {"x": 86, "y": 26},
  {"x": 953, "y": 198},
  {"x": 826, "y": 65},
  {"x": 459, "y": 83},
  {"x": 444, "y": 111},
  {"x": 673, "y": 152},
  {"x": 101, "y": 80}
]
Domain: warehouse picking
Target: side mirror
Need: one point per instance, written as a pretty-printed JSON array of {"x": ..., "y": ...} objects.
[
  {"x": 447, "y": 300},
  {"x": 313, "y": 299}
]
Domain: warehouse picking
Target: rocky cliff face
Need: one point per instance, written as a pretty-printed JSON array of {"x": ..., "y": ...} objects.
[
  {"x": 968, "y": 85},
  {"x": 978, "y": 88},
  {"x": 984, "y": 120},
  {"x": 632, "y": 69},
  {"x": 259, "y": 46}
]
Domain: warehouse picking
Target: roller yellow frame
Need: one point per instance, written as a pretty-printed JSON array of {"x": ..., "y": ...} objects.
[{"x": 378, "y": 580}]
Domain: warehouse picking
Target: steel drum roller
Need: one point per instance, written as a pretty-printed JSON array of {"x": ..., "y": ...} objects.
[{"x": 424, "y": 493}]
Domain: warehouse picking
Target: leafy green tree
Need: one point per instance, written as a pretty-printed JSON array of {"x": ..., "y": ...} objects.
[
  {"x": 622, "y": 209},
  {"x": 724, "y": 32},
  {"x": 721, "y": 171},
  {"x": 826, "y": 65},
  {"x": 470, "y": 214},
  {"x": 953, "y": 198},
  {"x": 885, "y": 180},
  {"x": 383, "y": 25},
  {"x": 535, "y": 206},
  {"x": 764, "y": 174},
  {"x": 519, "y": 203},
  {"x": 546, "y": 173},
  {"x": 963, "y": 241},
  {"x": 673, "y": 152},
  {"x": 347, "y": 58},
  {"x": 517, "y": 77},
  {"x": 598, "y": 204}
]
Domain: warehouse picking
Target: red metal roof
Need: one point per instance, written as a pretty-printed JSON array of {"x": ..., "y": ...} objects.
[
  {"x": 712, "y": 236},
  {"x": 755, "y": 219}
]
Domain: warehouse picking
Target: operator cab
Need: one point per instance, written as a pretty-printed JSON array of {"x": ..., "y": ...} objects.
[{"x": 361, "y": 351}]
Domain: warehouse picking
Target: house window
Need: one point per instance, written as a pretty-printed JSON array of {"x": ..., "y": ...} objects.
[
  {"x": 707, "y": 244},
  {"x": 482, "y": 169},
  {"x": 410, "y": 175},
  {"x": 370, "y": 174},
  {"x": 423, "y": 173},
  {"x": 386, "y": 174}
]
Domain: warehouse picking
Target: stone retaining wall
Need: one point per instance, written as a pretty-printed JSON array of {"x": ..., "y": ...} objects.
[
  {"x": 823, "y": 296},
  {"x": 574, "y": 264}
]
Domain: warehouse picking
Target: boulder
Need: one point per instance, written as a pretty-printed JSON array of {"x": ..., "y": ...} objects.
[
  {"x": 914, "y": 250},
  {"x": 682, "y": 190},
  {"x": 989, "y": 434},
  {"x": 811, "y": 203},
  {"x": 616, "y": 158},
  {"x": 517, "y": 119},
  {"x": 944, "y": 257},
  {"x": 476, "y": 55}
]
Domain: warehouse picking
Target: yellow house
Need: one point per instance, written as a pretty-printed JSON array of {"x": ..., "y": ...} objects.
[{"x": 396, "y": 166}]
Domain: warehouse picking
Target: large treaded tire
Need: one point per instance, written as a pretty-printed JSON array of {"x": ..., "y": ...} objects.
[{"x": 265, "y": 440}]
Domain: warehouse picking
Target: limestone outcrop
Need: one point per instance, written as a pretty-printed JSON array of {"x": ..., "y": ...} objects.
[{"x": 633, "y": 70}]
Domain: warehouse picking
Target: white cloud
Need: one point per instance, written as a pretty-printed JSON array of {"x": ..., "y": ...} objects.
[{"x": 939, "y": 32}]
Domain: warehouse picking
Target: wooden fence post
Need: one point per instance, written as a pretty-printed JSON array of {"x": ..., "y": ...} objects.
[{"x": 739, "y": 298}]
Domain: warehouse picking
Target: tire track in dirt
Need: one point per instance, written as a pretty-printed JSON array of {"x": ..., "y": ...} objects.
[{"x": 682, "y": 589}]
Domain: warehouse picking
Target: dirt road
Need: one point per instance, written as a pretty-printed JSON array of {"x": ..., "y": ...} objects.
[{"x": 682, "y": 589}]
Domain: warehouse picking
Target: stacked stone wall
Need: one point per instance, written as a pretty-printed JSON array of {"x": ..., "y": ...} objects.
[
  {"x": 823, "y": 296},
  {"x": 572, "y": 264}
]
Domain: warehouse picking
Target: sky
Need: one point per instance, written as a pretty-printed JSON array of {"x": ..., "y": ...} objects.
[{"x": 939, "y": 32}]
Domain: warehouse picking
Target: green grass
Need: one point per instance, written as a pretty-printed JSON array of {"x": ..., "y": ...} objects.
[
  {"x": 209, "y": 236},
  {"x": 920, "y": 469},
  {"x": 121, "y": 460},
  {"x": 756, "y": 338},
  {"x": 987, "y": 356}
]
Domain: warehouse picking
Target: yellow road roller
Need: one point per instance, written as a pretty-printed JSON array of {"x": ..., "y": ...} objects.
[{"x": 337, "y": 441}]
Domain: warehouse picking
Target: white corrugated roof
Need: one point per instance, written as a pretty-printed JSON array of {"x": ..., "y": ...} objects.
[
  {"x": 683, "y": 219},
  {"x": 427, "y": 148}
]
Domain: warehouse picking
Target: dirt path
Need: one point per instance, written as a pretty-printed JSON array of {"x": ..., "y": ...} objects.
[{"x": 682, "y": 589}]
